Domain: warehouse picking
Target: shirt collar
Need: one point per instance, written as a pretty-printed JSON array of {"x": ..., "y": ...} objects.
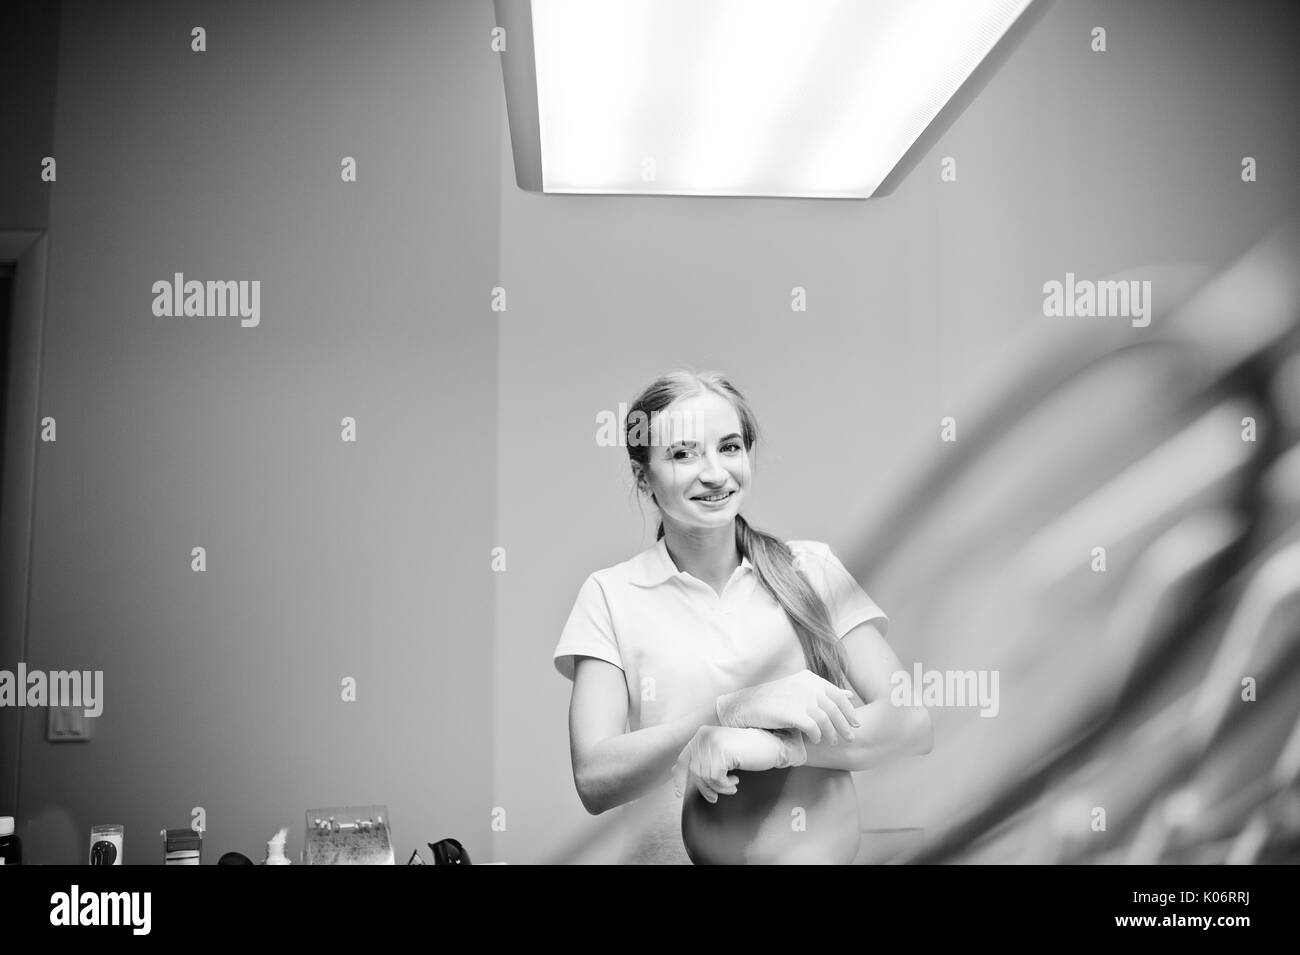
[{"x": 654, "y": 565}]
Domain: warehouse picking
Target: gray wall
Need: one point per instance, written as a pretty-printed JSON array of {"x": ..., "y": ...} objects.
[
  {"x": 1068, "y": 160},
  {"x": 325, "y": 560}
]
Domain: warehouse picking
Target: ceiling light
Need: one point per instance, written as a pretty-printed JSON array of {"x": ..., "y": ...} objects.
[{"x": 819, "y": 98}]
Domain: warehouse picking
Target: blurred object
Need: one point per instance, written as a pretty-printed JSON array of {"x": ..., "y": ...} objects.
[
  {"x": 234, "y": 858},
  {"x": 1278, "y": 816},
  {"x": 1116, "y": 533},
  {"x": 883, "y": 846},
  {"x": 1267, "y": 608}
]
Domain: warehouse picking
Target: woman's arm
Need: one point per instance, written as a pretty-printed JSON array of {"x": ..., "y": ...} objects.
[
  {"x": 610, "y": 766},
  {"x": 887, "y": 731}
]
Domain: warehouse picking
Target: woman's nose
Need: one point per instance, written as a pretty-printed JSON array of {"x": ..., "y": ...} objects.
[{"x": 714, "y": 472}]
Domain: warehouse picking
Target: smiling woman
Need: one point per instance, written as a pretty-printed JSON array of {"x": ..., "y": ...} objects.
[{"x": 726, "y": 661}]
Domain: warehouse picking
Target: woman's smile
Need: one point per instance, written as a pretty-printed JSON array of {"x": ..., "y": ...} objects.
[{"x": 715, "y": 500}]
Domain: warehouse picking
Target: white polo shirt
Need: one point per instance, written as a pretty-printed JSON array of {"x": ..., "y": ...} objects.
[{"x": 680, "y": 644}]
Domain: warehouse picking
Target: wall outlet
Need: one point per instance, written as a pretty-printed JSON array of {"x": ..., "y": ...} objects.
[{"x": 68, "y": 724}]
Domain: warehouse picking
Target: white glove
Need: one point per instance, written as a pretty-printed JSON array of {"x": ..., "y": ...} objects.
[
  {"x": 803, "y": 701},
  {"x": 707, "y": 760}
]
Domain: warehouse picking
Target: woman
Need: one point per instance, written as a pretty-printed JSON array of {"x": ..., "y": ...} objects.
[{"x": 714, "y": 674}]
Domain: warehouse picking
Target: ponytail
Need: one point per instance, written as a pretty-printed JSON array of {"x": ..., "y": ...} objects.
[{"x": 790, "y": 587}]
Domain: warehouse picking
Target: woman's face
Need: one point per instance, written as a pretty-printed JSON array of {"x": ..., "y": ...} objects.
[{"x": 697, "y": 452}]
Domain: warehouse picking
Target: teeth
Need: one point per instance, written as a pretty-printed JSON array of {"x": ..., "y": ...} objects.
[{"x": 717, "y": 497}]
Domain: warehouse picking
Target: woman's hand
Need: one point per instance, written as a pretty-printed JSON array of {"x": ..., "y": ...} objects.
[
  {"x": 803, "y": 701},
  {"x": 714, "y": 751}
]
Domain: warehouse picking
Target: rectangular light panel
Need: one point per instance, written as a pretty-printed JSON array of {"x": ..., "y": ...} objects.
[{"x": 817, "y": 98}]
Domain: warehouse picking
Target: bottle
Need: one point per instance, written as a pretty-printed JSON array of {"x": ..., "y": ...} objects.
[
  {"x": 275, "y": 849},
  {"x": 11, "y": 847}
]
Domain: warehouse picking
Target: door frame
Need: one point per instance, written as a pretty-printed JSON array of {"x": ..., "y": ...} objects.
[{"x": 28, "y": 250}]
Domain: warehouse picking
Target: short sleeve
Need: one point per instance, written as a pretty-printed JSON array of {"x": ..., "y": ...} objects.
[
  {"x": 589, "y": 631},
  {"x": 846, "y": 601}
]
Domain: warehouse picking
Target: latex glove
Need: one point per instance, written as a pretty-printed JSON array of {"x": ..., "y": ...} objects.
[
  {"x": 706, "y": 762},
  {"x": 802, "y": 701}
]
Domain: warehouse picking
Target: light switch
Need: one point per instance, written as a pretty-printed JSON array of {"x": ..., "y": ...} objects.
[{"x": 68, "y": 724}]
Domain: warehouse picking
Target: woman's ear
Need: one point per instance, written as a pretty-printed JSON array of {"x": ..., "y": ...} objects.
[{"x": 643, "y": 485}]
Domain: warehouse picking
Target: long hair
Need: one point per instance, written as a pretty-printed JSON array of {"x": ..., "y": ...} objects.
[{"x": 770, "y": 556}]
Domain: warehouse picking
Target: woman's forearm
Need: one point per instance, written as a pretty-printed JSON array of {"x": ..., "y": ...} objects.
[
  {"x": 887, "y": 732},
  {"x": 621, "y": 768}
]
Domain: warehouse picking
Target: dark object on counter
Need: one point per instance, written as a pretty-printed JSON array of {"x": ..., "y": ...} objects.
[
  {"x": 235, "y": 858},
  {"x": 11, "y": 847},
  {"x": 449, "y": 852}
]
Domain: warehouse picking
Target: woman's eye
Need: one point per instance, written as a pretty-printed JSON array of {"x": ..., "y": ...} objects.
[{"x": 731, "y": 447}]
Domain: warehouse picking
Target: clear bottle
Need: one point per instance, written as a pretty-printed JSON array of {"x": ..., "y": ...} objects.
[{"x": 11, "y": 847}]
